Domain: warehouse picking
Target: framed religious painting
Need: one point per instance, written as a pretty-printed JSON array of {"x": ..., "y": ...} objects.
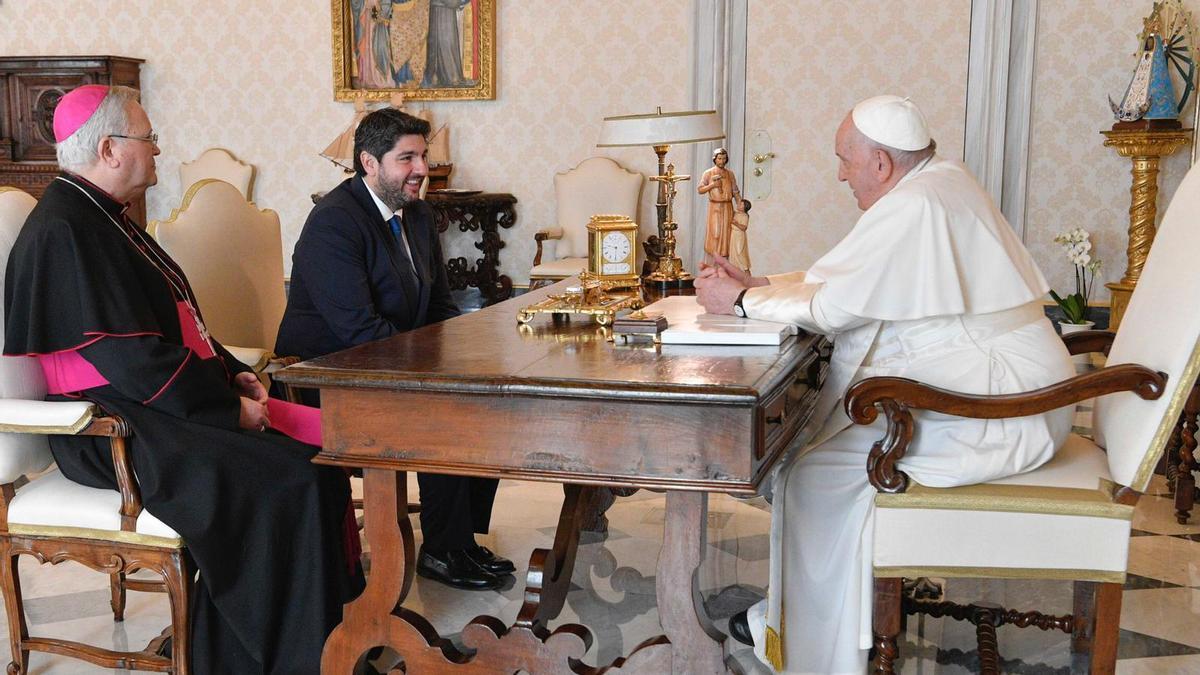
[{"x": 424, "y": 49}]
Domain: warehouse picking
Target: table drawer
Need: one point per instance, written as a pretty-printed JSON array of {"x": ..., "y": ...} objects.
[{"x": 790, "y": 407}]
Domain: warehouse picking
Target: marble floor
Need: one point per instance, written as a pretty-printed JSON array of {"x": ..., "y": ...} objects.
[{"x": 613, "y": 589}]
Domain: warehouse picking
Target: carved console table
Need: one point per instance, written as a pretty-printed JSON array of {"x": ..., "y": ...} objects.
[{"x": 484, "y": 213}]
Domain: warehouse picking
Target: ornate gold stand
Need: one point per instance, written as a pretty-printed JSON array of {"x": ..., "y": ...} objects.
[
  {"x": 593, "y": 299},
  {"x": 1145, "y": 147},
  {"x": 669, "y": 272}
]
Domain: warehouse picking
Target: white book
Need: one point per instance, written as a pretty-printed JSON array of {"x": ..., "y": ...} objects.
[{"x": 689, "y": 324}]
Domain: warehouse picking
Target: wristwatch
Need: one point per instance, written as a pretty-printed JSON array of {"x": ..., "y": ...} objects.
[{"x": 738, "y": 310}]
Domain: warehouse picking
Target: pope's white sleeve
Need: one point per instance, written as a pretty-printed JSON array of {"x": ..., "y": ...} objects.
[
  {"x": 786, "y": 278},
  {"x": 801, "y": 304}
]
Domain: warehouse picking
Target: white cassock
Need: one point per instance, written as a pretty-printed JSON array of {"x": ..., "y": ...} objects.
[{"x": 931, "y": 284}]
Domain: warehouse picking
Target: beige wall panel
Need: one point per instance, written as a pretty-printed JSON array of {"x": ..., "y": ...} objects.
[
  {"x": 256, "y": 78},
  {"x": 1084, "y": 53},
  {"x": 808, "y": 62}
]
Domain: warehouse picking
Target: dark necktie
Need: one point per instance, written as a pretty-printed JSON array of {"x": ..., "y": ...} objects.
[{"x": 398, "y": 233}]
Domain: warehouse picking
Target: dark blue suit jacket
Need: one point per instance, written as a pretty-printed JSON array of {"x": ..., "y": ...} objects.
[{"x": 351, "y": 280}]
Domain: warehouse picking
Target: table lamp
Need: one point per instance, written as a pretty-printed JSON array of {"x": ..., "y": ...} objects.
[{"x": 662, "y": 130}]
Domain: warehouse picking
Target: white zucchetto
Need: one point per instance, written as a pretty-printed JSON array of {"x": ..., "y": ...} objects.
[{"x": 894, "y": 121}]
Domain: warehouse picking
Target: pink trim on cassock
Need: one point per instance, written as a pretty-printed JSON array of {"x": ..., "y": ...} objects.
[
  {"x": 192, "y": 339},
  {"x": 68, "y": 371},
  {"x": 301, "y": 422},
  {"x": 94, "y": 337},
  {"x": 186, "y": 358}
]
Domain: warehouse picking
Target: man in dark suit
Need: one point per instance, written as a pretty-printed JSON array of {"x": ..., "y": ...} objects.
[{"x": 369, "y": 265}]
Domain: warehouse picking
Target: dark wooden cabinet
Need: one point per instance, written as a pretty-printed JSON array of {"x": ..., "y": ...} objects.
[{"x": 30, "y": 87}]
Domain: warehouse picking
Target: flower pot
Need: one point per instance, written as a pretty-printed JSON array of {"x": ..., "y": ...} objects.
[{"x": 1067, "y": 328}]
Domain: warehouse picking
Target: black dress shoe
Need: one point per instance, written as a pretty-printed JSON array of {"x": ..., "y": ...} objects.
[
  {"x": 457, "y": 569},
  {"x": 491, "y": 562},
  {"x": 739, "y": 628}
]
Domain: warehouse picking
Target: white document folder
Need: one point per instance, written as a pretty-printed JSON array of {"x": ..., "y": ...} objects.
[{"x": 688, "y": 324}]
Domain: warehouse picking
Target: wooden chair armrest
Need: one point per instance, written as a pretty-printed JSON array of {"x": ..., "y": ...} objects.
[
  {"x": 897, "y": 396},
  {"x": 277, "y": 363},
  {"x": 548, "y": 233},
  {"x": 543, "y": 235},
  {"x": 1089, "y": 341},
  {"x": 117, "y": 431}
]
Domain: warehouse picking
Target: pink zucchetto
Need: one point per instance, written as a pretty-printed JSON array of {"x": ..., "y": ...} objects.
[
  {"x": 76, "y": 108},
  {"x": 894, "y": 121}
]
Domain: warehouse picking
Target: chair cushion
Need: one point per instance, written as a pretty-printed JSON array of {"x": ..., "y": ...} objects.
[
  {"x": 1058, "y": 521},
  {"x": 53, "y": 506},
  {"x": 559, "y": 269}
]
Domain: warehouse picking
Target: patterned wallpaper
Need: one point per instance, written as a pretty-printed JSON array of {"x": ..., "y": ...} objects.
[
  {"x": 1084, "y": 53},
  {"x": 256, "y": 79},
  {"x": 807, "y": 65},
  {"x": 258, "y": 82}
]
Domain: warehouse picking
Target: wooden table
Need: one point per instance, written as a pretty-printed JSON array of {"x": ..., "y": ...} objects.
[{"x": 480, "y": 395}]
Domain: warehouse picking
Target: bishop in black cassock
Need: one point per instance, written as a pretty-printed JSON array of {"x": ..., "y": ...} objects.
[{"x": 263, "y": 524}]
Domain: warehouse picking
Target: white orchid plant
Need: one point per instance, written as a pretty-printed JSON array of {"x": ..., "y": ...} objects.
[{"x": 1077, "y": 244}]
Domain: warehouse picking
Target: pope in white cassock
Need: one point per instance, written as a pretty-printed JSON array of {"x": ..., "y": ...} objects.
[{"x": 931, "y": 284}]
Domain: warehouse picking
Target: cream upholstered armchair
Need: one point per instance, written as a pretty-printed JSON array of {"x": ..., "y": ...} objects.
[
  {"x": 54, "y": 519},
  {"x": 596, "y": 185},
  {"x": 220, "y": 164},
  {"x": 232, "y": 253},
  {"x": 1071, "y": 518}
]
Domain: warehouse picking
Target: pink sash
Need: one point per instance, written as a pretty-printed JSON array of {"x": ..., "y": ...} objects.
[{"x": 66, "y": 372}]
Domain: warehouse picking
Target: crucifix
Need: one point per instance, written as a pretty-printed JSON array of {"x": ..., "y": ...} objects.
[{"x": 670, "y": 267}]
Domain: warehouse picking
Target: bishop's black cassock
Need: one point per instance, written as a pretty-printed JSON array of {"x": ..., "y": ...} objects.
[{"x": 263, "y": 524}]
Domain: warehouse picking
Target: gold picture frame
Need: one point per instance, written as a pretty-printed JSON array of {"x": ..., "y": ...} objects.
[{"x": 383, "y": 47}]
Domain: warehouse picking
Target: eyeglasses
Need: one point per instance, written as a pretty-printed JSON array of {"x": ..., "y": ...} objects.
[{"x": 150, "y": 138}]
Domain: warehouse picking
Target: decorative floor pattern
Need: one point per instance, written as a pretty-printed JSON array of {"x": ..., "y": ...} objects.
[{"x": 614, "y": 590}]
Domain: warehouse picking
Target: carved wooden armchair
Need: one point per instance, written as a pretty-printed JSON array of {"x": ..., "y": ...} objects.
[
  {"x": 1071, "y": 518},
  {"x": 596, "y": 185},
  {"x": 232, "y": 253},
  {"x": 45, "y": 515}
]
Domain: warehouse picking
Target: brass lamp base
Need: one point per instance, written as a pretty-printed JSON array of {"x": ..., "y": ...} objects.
[
  {"x": 669, "y": 275},
  {"x": 661, "y": 284}
]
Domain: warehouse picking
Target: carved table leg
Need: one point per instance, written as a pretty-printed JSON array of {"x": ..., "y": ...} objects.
[
  {"x": 549, "y": 576},
  {"x": 594, "y": 506},
  {"x": 1185, "y": 480},
  {"x": 697, "y": 646},
  {"x": 369, "y": 620}
]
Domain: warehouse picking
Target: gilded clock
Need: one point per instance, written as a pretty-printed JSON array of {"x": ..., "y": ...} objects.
[{"x": 612, "y": 251}]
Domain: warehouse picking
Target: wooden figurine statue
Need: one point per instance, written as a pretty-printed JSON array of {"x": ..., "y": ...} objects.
[
  {"x": 739, "y": 247},
  {"x": 721, "y": 187}
]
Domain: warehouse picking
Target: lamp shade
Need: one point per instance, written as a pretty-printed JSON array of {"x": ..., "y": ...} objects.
[{"x": 661, "y": 128}]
